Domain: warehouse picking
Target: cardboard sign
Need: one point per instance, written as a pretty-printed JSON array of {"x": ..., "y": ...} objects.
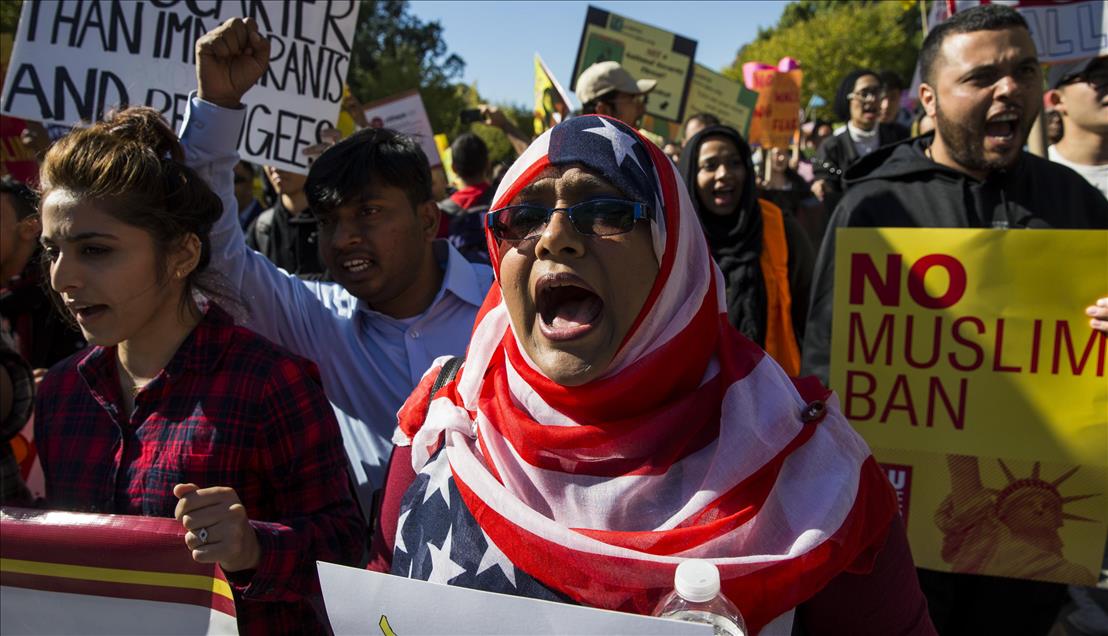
[
  {"x": 405, "y": 113},
  {"x": 363, "y": 602},
  {"x": 71, "y": 573},
  {"x": 965, "y": 359},
  {"x": 777, "y": 113},
  {"x": 645, "y": 52},
  {"x": 723, "y": 97},
  {"x": 1063, "y": 30},
  {"x": 552, "y": 105},
  {"x": 74, "y": 61}
]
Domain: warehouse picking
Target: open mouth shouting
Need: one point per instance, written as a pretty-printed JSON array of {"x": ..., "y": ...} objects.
[
  {"x": 723, "y": 195},
  {"x": 567, "y": 307},
  {"x": 1002, "y": 128},
  {"x": 85, "y": 312}
]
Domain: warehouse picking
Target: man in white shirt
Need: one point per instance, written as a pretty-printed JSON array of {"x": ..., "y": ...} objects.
[
  {"x": 1079, "y": 93},
  {"x": 400, "y": 298}
]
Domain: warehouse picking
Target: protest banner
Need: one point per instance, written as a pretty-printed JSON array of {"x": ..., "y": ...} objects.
[
  {"x": 552, "y": 105},
  {"x": 1062, "y": 30},
  {"x": 404, "y": 112},
  {"x": 966, "y": 361},
  {"x": 363, "y": 602},
  {"x": 72, "y": 573},
  {"x": 645, "y": 52},
  {"x": 73, "y": 61},
  {"x": 723, "y": 97},
  {"x": 777, "y": 112}
]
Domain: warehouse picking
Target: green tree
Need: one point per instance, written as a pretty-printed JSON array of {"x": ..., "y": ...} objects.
[
  {"x": 830, "y": 38},
  {"x": 395, "y": 51},
  {"x": 9, "y": 16}
]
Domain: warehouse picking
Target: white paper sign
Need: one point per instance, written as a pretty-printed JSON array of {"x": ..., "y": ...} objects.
[
  {"x": 363, "y": 602},
  {"x": 73, "y": 60},
  {"x": 1063, "y": 30},
  {"x": 404, "y": 112}
]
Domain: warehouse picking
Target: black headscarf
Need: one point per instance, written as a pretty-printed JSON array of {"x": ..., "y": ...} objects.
[
  {"x": 735, "y": 239},
  {"x": 846, "y": 87}
]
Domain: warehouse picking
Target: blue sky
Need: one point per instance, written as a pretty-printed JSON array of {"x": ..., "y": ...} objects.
[{"x": 498, "y": 40}]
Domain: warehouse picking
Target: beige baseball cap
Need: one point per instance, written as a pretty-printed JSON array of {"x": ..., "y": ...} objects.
[{"x": 605, "y": 77}]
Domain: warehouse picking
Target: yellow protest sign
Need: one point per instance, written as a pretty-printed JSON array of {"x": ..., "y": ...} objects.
[
  {"x": 777, "y": 113},
  {"x": 723, "y": 97},
  {"x": 645, "y": 52},
  {"x": 965, "y": 359},
  {"x": 551, "y": 101}
]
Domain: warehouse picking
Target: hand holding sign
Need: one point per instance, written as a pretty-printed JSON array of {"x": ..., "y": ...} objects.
[
  {"x": 230, "y": 59},
  {"x": 218, "y": 528},
  {"x": 1099, "y": 315}
]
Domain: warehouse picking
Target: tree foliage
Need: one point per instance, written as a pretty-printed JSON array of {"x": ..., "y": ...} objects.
[
  {"x": 831, "y": 38},
  {"x": 395, "y": 51}
]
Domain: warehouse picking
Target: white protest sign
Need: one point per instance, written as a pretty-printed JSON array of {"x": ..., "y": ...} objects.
[
  {"x": 74, "y": 60},
  {"x": 1063, "y": 30},
  {"x": 363, "y": 602},
  {"x": 404, "y": 112}
]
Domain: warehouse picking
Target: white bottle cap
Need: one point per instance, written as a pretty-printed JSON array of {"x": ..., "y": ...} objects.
[{"x": 696, "y": 580}]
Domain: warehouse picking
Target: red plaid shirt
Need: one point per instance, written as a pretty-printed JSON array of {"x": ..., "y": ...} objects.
[{"x": 230, "y": 409}]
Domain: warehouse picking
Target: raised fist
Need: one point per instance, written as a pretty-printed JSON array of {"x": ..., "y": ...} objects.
[{"x": 229, "y": 60}]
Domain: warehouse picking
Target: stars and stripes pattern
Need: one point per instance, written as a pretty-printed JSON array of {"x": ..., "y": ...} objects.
[{"x": 693, "y": 444}]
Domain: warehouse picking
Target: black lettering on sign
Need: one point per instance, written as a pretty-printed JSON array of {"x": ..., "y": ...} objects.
[
  {"x": 88, "y": 98},
  {"x": 170, "y": 105},
  {"x": 308, "y": 70},
  {"x": 331, "y": 21},
  {"x": 281, "y": 136}
]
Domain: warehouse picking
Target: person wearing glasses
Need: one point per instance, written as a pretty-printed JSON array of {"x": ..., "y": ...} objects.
[
  {"x": 858, "y": 103},
  {"x": 764, "y": 254},
  {"x": 982, "y": 84},
  {"x": 608, "y": 423},
  {"x": 1079, "y": 94}
]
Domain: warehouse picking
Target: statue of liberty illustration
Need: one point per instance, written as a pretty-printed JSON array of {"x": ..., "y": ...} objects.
[{"x": 1008, "y": 531}]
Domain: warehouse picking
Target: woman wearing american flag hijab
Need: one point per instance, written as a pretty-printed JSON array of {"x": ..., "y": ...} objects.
[{"x": 608, "y": 422}]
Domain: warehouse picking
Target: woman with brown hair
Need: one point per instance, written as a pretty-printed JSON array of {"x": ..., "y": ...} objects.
[{"x": 173, "y": 410}]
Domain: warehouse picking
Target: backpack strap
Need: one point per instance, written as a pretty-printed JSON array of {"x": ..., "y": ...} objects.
[{"x": 447, "y": 373}]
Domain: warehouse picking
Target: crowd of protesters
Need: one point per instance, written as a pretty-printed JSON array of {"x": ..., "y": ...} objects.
[{"x": 352, "y": 364}]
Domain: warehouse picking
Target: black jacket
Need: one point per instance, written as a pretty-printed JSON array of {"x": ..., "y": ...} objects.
[
  {"x": 837, "y": 154},
  {"x": 290, "y": 242},
  {"x": 899, "y": 186}
]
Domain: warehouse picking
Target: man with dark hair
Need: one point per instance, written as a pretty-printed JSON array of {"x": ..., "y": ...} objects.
[
  {"x": 249, "y": 207},
  {"x": 697, "y": 123},
  {"x": 399, "y": 298},
  {"x": 470, "y": 158},
  {"x": 894, "y": 88},
  {"x": 465, "y": 208},
  {"x": 606, "y": 88},
  {"x": 983, "y": 86},
  {"x": 1077, "y": 94},
  {"x": 287, "y": 233},
  {"x": 27, "y": 316}
]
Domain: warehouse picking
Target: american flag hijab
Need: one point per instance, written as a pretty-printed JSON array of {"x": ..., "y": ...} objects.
[{"x": 694, "y": 443}]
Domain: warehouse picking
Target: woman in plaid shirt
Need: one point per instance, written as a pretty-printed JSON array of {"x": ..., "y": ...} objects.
[{"x": 175, "y": 411}]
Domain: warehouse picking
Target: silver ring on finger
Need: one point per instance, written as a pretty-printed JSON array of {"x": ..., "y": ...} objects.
[{"x": 202, "y": 536}]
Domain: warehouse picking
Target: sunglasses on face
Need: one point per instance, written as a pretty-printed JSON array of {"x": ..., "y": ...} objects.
[
  {"x": 867, "y": 94},
  {"x": 598, "y": 217}
]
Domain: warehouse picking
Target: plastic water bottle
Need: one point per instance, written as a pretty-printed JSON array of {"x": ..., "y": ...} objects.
[{"x": 696, "y": 598}]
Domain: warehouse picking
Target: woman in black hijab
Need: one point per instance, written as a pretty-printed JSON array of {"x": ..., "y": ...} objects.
[{"x": 764, "y": 255}]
